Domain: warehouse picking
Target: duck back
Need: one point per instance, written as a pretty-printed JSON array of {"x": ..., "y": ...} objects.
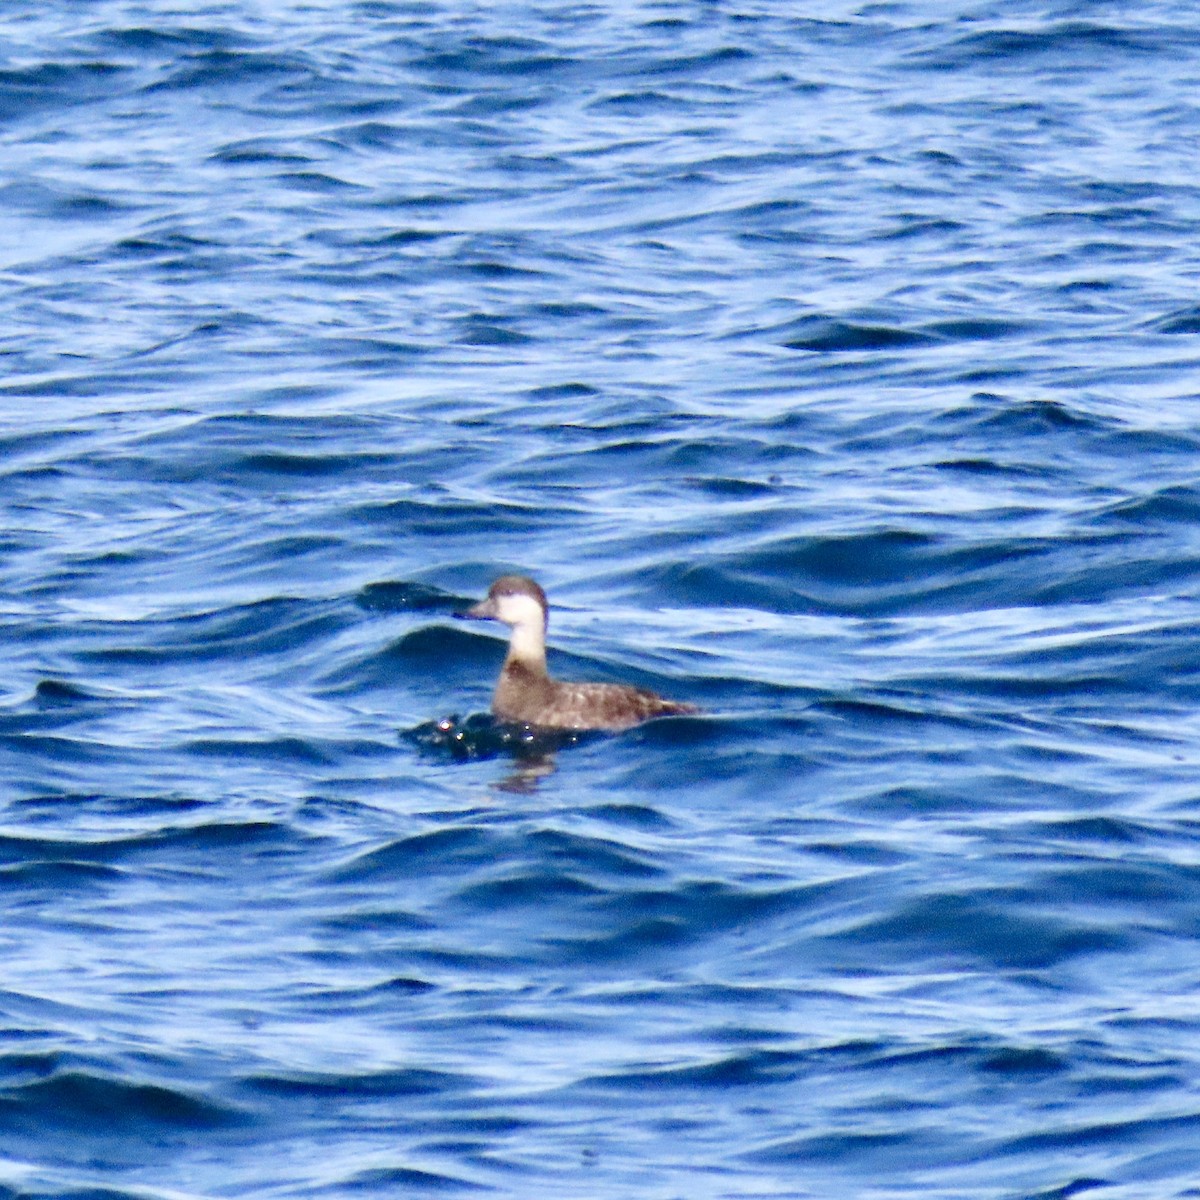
[{"x": 533, "y": 698}]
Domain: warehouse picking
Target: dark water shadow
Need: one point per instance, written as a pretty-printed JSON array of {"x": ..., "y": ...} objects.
[{"x": 481, "y": 736}]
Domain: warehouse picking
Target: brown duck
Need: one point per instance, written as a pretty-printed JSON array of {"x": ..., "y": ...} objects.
[{"x": 525, "y": 692}]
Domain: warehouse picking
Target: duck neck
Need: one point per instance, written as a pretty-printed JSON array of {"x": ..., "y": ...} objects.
[{"x": 527, "y": 646}]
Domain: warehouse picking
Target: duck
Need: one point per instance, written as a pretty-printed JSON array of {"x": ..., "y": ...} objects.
[{"x": 526, "y": 694}]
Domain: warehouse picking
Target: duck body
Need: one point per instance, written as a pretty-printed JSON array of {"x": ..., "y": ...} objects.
[
  {"x": 533, "y": 698},
  {"x": 526, "y": 694}
]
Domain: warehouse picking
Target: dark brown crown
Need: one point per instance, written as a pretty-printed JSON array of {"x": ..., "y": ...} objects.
[{"x": 518, "y": 585}]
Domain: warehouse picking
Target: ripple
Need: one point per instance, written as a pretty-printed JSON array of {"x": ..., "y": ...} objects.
[
  {"x": 411, "y": 1082},
  {"x": 966, "y": 927},
  {"x": 839, "y": 370},
  {"x": 833, "y": 337},
  {"x": 79, "y": 1099}
]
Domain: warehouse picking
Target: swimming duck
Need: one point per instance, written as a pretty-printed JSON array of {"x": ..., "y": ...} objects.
[{"x": 526, "y": 693}]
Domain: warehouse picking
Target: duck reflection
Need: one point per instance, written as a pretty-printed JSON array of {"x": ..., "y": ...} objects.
[{"x": 527, "y": 774}]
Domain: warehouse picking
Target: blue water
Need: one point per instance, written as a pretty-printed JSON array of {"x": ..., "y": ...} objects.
[{"x": 835, "y": 368}]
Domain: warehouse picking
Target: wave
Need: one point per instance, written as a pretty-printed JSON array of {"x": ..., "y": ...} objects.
[{"x": 90, "y": 1104}]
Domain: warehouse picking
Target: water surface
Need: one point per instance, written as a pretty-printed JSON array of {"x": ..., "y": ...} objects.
[{"x": 835, "y": 372}]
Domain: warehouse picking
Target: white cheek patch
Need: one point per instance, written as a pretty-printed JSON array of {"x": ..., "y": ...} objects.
[{"x": 520, "y": 610}]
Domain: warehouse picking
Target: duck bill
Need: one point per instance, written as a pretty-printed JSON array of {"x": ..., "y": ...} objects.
[{"x": 485, "y": 610}]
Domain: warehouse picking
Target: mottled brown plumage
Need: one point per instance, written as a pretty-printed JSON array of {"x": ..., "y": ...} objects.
[{"x": 525, "y": 692}]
